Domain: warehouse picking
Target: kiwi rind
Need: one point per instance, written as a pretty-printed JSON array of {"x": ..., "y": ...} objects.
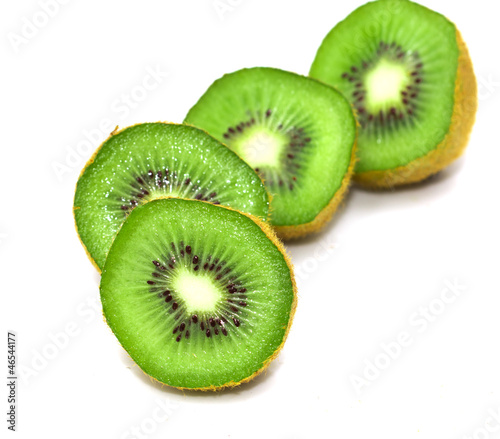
[
  {"x": 453, "y": 144},
  {"x": 326, "y": 214},
  {"x": 117, "y": 131},
  {"x": 271, "y": 235},
  {"x": 75, "y": 208}
]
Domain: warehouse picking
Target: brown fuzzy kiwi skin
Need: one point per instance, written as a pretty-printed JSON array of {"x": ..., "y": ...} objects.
[
  {"x": 453, "y": 144},
  {"x": 91, "y": 259},
  {"x": 326, "y": 214},
  {"x": 271, "y": 234},
  {"x": 91, "y": 160},
  {"x": 75, "y": 208}
]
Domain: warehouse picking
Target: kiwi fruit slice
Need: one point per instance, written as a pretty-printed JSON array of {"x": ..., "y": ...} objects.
[
  {"x": 408, "y": 73},
  {"x": 155, "y": 160},
  {"x": 200, "y": 296},
  {"x": 298, "y": 134}
]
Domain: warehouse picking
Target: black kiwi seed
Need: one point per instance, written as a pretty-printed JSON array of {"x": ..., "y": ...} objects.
[
  {"x": 408, "y": 96},
  {"x": 210, "y": 325},
  {"x": 296, "y": 141},
  {"x": 143, "y": 185}
]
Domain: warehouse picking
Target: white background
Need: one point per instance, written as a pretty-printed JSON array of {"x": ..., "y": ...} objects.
[{"x": 361, "y": 281}]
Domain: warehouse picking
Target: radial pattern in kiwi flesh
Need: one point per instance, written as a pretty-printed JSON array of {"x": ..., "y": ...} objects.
[
  {"x": 397, "y": 62},
  {"x": 200, "y": 296},
  {"x": 155, "y": 160},
  {"x": 297, "y": 133}
]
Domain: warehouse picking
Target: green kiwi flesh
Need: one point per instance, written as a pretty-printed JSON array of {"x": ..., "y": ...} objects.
[
  {"x": 396, "y": 61},
  {"x": 297, "y": 133},
  {"x": 200, "y": 296},
  {"x": 155, "y": 160}
]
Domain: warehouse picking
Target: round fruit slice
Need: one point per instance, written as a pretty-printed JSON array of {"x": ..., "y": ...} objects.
[
  {"x": 200, "y": 296},
  {"x": 408, "y": 73},
  {"x": 298, "y": 134},
  {"x": 158, "y": 160}
]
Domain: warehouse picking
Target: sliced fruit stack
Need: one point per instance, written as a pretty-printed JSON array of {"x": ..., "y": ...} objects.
[
  {"x": 183, "y": 223},
  {"x": 158, "y": 160},
  {"x": 195, "y": 285}
]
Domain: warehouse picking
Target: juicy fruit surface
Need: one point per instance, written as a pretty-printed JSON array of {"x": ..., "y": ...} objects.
[
  {"x": 397, "y": 63},
  {"x": 157, "y": 160},
  {"x": 197, "y": 294},
  {"x": 297, "y": 133}
]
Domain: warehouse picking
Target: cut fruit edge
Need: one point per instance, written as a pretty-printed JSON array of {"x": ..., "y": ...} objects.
[
  {"x": 454, "y": 142},
  {"x": 89, "y": 256},
  {"x": 326, "y": 214},
  {"x": 273, "y": 237},
  {"x": 89, "y": 162},
  {"x": 116, "y": 131}
]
